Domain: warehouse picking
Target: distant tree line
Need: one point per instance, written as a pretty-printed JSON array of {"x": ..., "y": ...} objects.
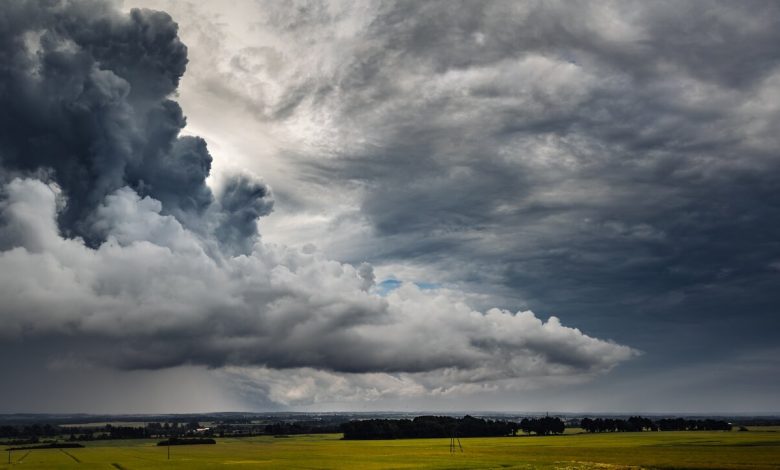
[
  {"x": 427, "y": 426},
  {"x": 51, "y": 445},
  {"x": 542, "y": 426},
  {"x": 47, "y": 433},
  {"x": 422, "y": 426},
  {"x": 30, "y": 431},
  {"x": 638, "y": 423}
]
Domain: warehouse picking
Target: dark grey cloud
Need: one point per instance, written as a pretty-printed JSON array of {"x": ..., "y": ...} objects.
[
  {"x": 86, "y": 95},
  {"x": 612, "y": 162},
  {"x": 243, "y": 200}
]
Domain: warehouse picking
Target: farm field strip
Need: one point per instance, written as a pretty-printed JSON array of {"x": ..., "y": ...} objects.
[{"x": 757, "y": 450}]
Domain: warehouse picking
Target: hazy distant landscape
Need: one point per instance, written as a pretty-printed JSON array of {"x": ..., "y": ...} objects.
[{"x": 308, "y": 440}]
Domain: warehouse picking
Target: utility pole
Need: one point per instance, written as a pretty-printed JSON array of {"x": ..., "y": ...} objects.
[{"x": 453, "y": 437}]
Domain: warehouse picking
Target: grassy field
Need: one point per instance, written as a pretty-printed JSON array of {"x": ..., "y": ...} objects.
[{"x": 691, "y": 450}]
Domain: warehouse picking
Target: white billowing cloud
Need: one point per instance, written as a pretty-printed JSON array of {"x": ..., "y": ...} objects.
[{"x": 156, "y": 295}]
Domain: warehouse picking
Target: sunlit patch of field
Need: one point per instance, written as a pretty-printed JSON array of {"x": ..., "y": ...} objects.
[
  {"x": 573, "y": 430},
  {"x": 665, "y": 450}
]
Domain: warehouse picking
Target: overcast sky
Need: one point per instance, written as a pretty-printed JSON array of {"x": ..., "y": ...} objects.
[{"x": 510, "y": 206}]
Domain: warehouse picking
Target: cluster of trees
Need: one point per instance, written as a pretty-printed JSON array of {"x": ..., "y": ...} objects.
[
  {"x": 638, "y": 423},
  {"x": 632, "y": 424},
  {"x": 427, "y": 426},
  {"x": 542, "y": 426},
  {"x": 34, "y": 430},
  {"x": 283, "y": 428},
  {"x": 151, "y": 430},
  {"x": 24, "y": 435}
]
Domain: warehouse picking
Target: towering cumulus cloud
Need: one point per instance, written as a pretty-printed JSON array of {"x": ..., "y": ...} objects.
[
  {"x": 86, "y": 96},
  {"x": 114, "y": 245}
]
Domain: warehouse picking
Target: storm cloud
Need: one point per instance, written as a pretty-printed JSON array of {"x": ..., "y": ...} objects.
[
  {"x": 440, "y": 170},
  {"x": 115, "y": 248},
  {"x": 87, "y": 98},
  {"x": 612, "y": 163},
  {"x": 616, "y": 162}
]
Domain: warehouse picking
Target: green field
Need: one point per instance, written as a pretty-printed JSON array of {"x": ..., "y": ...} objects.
[{"x": 699, "y": 450}]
